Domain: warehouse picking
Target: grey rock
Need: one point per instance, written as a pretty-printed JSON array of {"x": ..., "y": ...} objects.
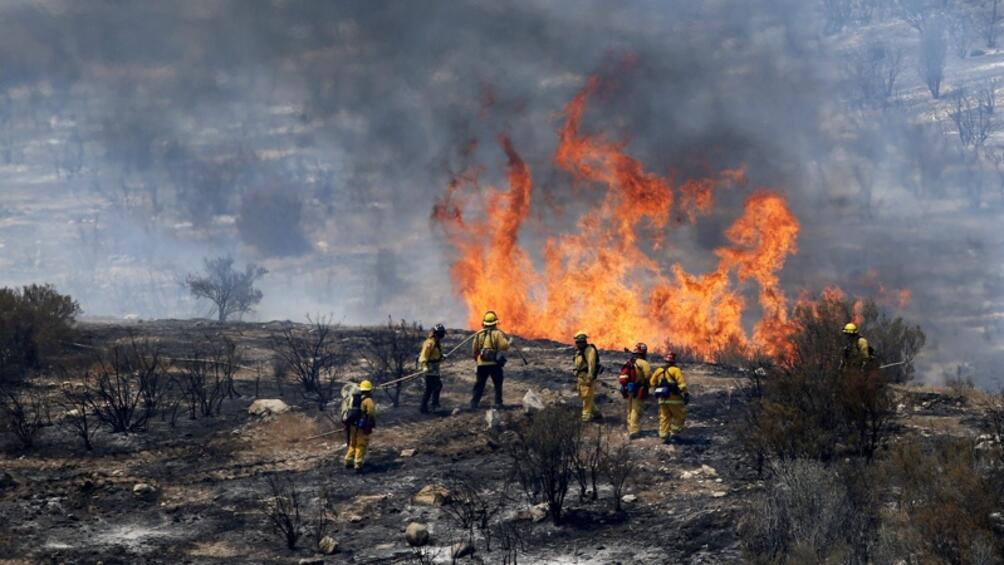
[
  {"x": 268, "y": 407},
  {"x": 462, "y": 550},
  {"x": 416, "y": 534},
  {"x": 532, "y": 402},
  {"x": 492, "y": 420},
  {"x": 144, "y": 491},
  {"x": 327, "y": 545}
]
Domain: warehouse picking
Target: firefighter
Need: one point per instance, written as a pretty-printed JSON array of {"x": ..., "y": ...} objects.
[
  {"x": 670, "y": 388},
  {"x": 587, "y": 361},
  {"x": 857, "y": 352},
  {"x": 429, "y": 360},
  {"x": 487, "y": 348},
  {"x": 359, "y": 428},
  {"x": 639, "y": 392}
]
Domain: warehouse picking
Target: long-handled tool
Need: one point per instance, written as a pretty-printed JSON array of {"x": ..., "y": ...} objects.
[
  {"x": 332, "y": 432},
  {"x": 461, "y": 344},
  {"x": 520, "y": 353},
  {"x": 896, "y": 364},
  {"x": 417, "y": 374}
]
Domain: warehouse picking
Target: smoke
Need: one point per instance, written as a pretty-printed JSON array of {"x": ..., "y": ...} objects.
[{"x": 315, "y": 137}]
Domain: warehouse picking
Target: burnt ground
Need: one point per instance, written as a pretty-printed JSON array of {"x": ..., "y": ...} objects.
[{"x": 72, "y": 506}]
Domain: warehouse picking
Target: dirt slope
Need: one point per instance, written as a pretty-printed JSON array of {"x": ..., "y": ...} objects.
[{"x": 70, "y": 506}]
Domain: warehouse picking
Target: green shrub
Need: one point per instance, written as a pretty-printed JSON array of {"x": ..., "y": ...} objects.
[{"x": 33, "y": 321}]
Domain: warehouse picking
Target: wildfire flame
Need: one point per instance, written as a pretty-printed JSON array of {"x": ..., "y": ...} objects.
[{"x": 598, "y": 278}]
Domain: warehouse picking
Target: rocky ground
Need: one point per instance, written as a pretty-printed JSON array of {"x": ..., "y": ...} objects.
[{"x": 192, "y": 493}]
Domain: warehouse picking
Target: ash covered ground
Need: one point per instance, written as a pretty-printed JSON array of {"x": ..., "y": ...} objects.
[{"x": 208, "y": 475}]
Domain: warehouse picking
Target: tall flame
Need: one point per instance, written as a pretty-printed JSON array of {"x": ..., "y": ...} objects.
[{"x": 598, "y": 278}]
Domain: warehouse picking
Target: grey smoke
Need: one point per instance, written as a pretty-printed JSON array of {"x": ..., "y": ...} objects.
[{"x": 314, "y": 137}]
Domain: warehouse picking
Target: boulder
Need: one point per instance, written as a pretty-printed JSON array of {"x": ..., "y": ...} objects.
[
  {"x": 455, "y": 412},
  {"x": 268, "y": 407},
  {"x": 144, "y": 491},
  {"x": 708, "y": 471},
  {"x": 629, "y": 498},
  {"x": 408, "y": 453},
  {"x": 492, "y": 420},
  {"x": 532, "y": 402},
  {"x": 416, "y": 534},
  {"x": 432, "y": 495},
  {"x": 327, "y": 545},
  {"x": 538, "y": 512},
  {"x": 462, "y": 550}
]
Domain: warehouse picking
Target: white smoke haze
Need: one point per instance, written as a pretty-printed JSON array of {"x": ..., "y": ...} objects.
[{"x": 314, "y": 137}]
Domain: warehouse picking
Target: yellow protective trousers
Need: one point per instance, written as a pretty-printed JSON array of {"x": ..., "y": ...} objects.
[
  {"x": 358, "y": 441},
  {"x": 586, "y": 392},
  {"x": 672, "y": 414},
  {"x": 635, "y": 409}
]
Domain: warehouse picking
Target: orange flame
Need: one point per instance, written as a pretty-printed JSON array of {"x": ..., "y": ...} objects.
[{"x": 598, "y": 278}]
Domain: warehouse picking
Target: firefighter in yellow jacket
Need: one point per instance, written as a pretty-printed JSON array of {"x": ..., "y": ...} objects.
[
  {"x": 639, "y": 392},
  {"x": 669, "y": 386},
  {"x": 857, "y": 351},
  {"x": 429, "y": 360},
  {"x": 586, "y": 371},
  {"x": 487, "y": 348},
  {"x": 359, "y": 427}
]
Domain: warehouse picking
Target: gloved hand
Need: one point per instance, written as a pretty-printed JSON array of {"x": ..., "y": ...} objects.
[{"x": 686, "y": 398}]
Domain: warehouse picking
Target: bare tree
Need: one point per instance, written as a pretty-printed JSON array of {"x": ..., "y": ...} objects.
[
  {"x": 990, "y": 13},
  {"x": 230, "y": 291},
  {"x": 203, "y": 382},
  {"x": 24, "y": 415},
  {"x": 873, "y": 72},
  {"x": 283, "y": 510},
  {"x": 960, "y": 32},
  {"x": 76, "y": 402},
  {"x": 312, "y": 357},
  {"x": 126, "y": 387},
  {"x": 589, "y": 461},
  {"x": 475, "y": 507},
  {"x": 543, "y": 457},
  {"x": 392, "y": 350},
  {"x": 931, "y": 61},
  {"x": 618, "y": 465},
  {"x": 917, "y": 13},
  {"x": 973, "y": 117}
]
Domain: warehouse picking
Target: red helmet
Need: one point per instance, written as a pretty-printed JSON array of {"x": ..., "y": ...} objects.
[
  {"x": 641, "y": 348},
  {"x": 670, "y": 357}
]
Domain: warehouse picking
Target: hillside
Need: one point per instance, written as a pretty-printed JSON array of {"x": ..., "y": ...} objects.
[{"x": 208, "y": 475}]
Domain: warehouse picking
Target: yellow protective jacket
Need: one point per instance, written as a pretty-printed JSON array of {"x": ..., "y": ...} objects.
[
  {"x": 644, "y": 370},
  {"x": 489, "y": 338},
  {"x": 670, "y": 373},
  {"x": 431, "y": 354},
  {"x": 857, "y": 353},
  {"x": 367, "y": 409},
  {"x": 586, "y": 367}
]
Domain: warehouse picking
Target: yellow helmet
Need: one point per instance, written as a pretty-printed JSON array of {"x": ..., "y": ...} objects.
[
  {"x": 490, "y": 318},
  {"x": 851, "y": 328},
  {"x": 366, "y": 386},
  {"x": 580, "y": 336}
]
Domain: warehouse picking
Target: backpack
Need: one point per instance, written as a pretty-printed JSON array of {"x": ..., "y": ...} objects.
[
  {"x": 628, "y": 378},
  {"x": 352, "y": 400},
  {"x": 488, "y": 354},
  {"x": 667, "y": 387}
]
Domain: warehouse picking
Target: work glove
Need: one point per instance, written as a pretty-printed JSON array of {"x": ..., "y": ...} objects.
[{"x": 686, "y": 398}]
